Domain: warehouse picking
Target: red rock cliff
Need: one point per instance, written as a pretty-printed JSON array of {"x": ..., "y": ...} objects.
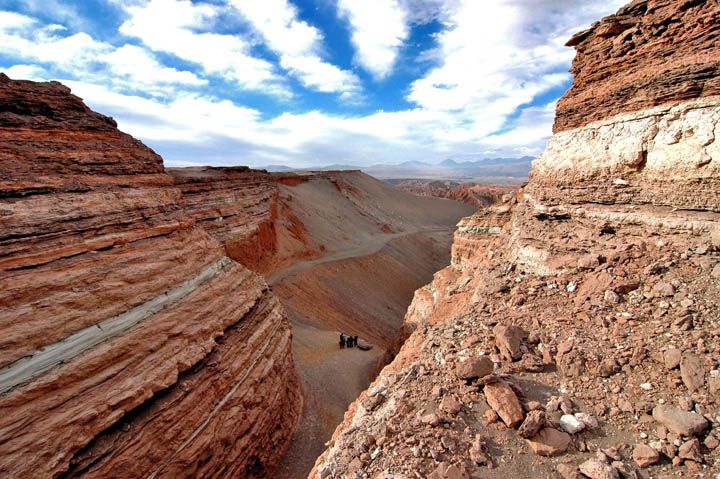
[
  {"x": 245, "y": 210},
  {"x": 650, "y": 53},
  {"x": 130, "y": 344},
  {"x": 639, "y": 125}
]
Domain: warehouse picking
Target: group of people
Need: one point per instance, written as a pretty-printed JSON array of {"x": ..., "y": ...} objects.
[{"x": 348, "y": 341}]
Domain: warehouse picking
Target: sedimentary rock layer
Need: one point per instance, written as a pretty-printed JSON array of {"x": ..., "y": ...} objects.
[
  {"x": 466, "y": 192},
  {"x": 665, "y": 156},
  {"x": 650, "y": 53},
  {"x": 130, "y": 344},
  {"x": 236, "y": 205}
]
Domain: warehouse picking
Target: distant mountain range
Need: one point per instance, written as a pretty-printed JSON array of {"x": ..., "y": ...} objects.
[{"x": 499, "y": 171}]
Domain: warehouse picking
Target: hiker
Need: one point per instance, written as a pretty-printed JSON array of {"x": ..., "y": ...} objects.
[
  {"x": 355, "y": 341},
  {"x": 349, "y": 342},
  {"x": 342, "y": 341}
]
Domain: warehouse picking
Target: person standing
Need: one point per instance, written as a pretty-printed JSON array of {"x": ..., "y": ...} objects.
[{"x": 342, "y": 341}]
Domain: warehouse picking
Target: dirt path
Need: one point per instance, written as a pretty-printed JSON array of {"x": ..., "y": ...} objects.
[
  {"x": 332, "y": 378},
  {"x": 365, "y": 249}
]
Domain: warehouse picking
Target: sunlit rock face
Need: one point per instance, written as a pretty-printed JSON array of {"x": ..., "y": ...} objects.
[
  {"x": 651, "y": 53},
  {"x": 130, "y": 344}
]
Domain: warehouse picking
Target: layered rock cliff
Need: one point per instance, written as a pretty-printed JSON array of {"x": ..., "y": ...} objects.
[
  {"x": 474, "y": 194},
  {"x": 576, "y": 332},
  {"x": 130, "y": 344}
]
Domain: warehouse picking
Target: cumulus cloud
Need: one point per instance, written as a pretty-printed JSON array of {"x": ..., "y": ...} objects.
[
  {"x": 184, "y": 29},
  {"x": 298, "y": 44},
  {"x": 25, "y": 37},
  {"x": 128, "y": 67},
  {"x": 379, "y": 29}
]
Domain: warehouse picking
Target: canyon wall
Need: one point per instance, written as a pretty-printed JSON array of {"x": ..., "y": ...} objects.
[
  {"x": 576, "y": 332},
  {"x": 474, "y": 194},
  {"x": 131, "y": 344}
]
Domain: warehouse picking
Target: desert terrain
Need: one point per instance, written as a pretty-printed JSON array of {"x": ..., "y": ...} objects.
[{"x": 163, "y": 322}]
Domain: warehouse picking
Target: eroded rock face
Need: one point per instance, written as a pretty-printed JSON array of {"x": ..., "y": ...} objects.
[
  {"x": 605, "y": 258},
  {"x": 665, "y": 156},
  {"x": 236, "y": 205},
  {"x": 131, "y": 344},
  {"x": 652, "y": 52}
]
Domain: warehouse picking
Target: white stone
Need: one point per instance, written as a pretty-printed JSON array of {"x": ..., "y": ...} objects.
[{"x": 570, "y": 424}]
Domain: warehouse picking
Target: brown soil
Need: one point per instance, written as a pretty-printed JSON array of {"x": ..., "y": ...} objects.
[{"x": 364, "y": 291}]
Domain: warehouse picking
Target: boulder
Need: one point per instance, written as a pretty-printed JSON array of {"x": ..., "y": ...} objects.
[
  {"x": 450, "y": 405},
  {"x": 596, "y": 469},
  {"x": 672, "y": 358},
  {"x": 570, "y": 424},
  {"x": 679, "y": 421},
  {"x": 692, "y": 371},
  {"x": 508, "y": 340},
  {"x": 534, "y": 421},
  {"x": 502, "y": 399},
  {"x": 475, "y": 367},
  {"x": 663, "y": 289},
  {"x": 690, "y": 451},
  {"x": 447, "y": 471},
  {"x": 567, "y": 471},
  {"x": 644, "y": 455},
  {"x": 549, "y": 442}
]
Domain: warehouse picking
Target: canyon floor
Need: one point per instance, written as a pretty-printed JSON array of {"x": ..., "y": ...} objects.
[{"x": 361, "y": 285}]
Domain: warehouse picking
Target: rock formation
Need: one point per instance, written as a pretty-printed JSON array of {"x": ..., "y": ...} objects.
[
  {"x": 130, "y": 344},
  {"x": 478, "y": 195},
  {"x": 237, "y": 206},
  {"x": 587, "y": 291}
]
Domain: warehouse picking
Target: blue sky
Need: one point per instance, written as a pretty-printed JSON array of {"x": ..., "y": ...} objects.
[{"x": 308, "y": 82}]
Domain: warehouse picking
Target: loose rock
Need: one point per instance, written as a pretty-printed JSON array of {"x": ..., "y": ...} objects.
[
  {"x": 692, "y": 371},
  {"x": 690, "y": 451},
  {"x": 679, "y": 421},
  {"x": 534, "y": 421},
  {"x": 644, "y": 455},
  {"x": 570, "y": 424},
  {"x": 549, "y": 442},
  {"x": 503, "y": 400},
  {"x": 475, "y": 367},
  {"x": 508, "y": 340},
  {"x": 596, "y": 469}
]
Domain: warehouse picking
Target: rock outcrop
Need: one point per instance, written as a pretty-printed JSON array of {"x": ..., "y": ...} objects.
[
  {"x": 606, "y": 270},
  {"x": 650, "y": 53},
  {"x": 474, "y": 194},
  {"x": 237, "y": 206},
  {"x": 130, "y": 345}
]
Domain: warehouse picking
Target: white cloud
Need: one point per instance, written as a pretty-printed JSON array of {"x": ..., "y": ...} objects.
[
  {"x": 493, "y": 61},
  {"x": 58, "y": 10},
  {"x": 25, "y": 37},
  {"x": 494, "y": 58},
  {"x": 127, "y": 67},
  {"x": 379, "y": 29},
  {"x": 25, "y": 72},
  {"x": 298, "y": 45},
  {"x": 144, "y": 71},
  {"x": 183, "y": 29}
]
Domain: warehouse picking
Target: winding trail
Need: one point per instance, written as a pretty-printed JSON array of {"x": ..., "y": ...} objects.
[
  {"x": 360, "y": 251},
  {"x": 333, "y": 378}
]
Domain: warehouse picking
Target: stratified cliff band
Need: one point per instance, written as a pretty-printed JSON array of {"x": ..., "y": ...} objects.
[{"x": 130, "y": 344}]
